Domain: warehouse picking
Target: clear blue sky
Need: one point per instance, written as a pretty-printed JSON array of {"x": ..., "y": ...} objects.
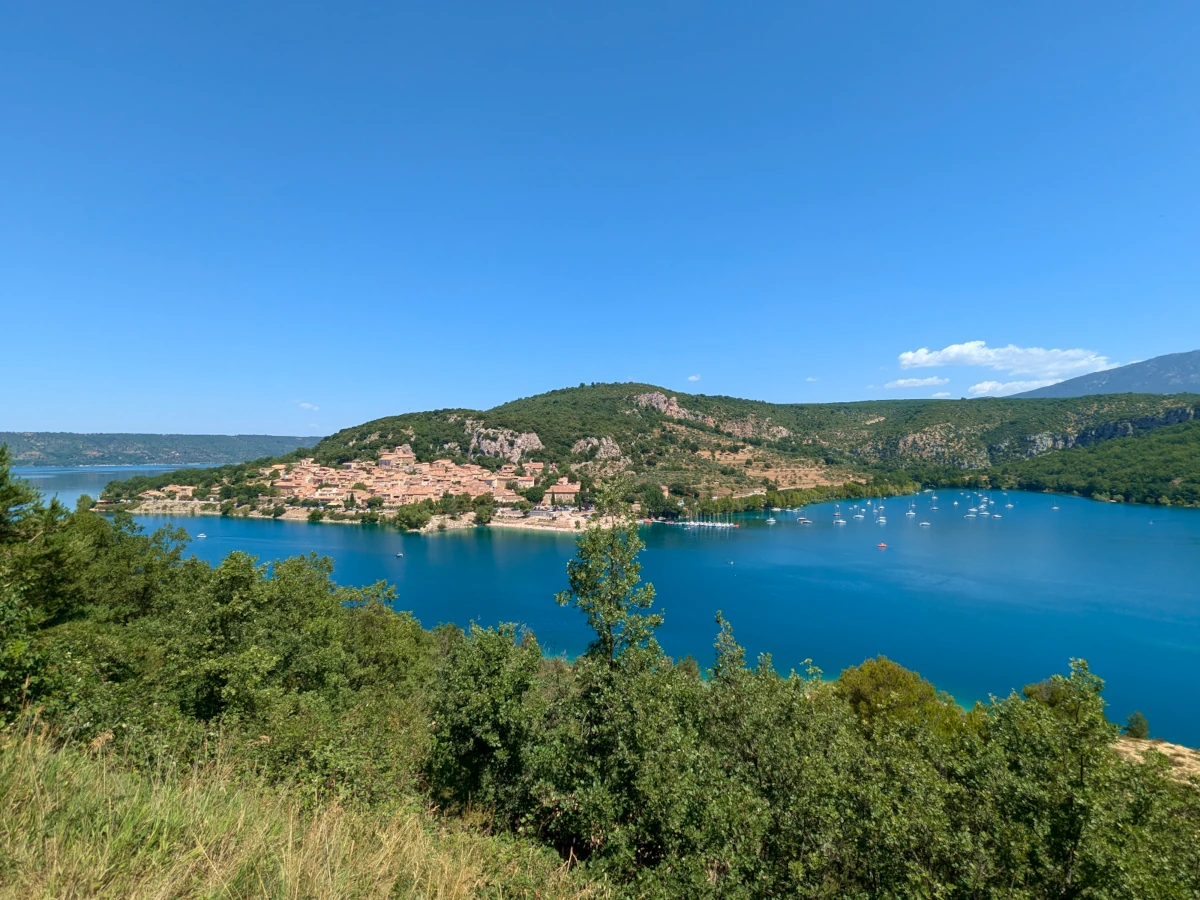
[{"x": 215, "y": 217}]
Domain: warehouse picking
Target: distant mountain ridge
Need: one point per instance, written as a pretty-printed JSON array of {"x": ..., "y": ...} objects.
[
  {"x": 58, "y": 448},
  {"x": 1173, "y": 373}
]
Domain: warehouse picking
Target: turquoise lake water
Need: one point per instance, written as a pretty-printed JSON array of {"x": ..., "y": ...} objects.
[{"x": 978, "y": 606}]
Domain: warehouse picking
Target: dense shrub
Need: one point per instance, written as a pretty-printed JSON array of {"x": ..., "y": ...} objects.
[{"x": 745, "y": 783}]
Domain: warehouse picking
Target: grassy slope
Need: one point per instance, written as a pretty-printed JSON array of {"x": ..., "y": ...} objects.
[{"x": 79, "y": 824}]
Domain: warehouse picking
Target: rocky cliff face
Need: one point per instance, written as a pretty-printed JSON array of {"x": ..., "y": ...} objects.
[
  {"x": 605, "y": 448},
  {"x": 750, "y": 426},
  {"x": 500, "y": 442},
  {"x": 669, "y": 407},
  {"x": 1111, "y": 430},
  {"x": 1036, "y": 444},
  {"x": 967, "y": 448}
]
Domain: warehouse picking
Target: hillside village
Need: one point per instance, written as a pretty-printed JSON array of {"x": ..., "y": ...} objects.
[{"x": 397, "y": 479}]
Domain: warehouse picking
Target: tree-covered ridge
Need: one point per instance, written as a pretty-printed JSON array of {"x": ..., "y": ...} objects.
[
  {"x": 965, "y": 433},
  {"x": 44, "y": 448},
  {"x": 704, "y": 446},
  {"x": 1160, "y": 467},
  {"x": 644, "y": 777}
]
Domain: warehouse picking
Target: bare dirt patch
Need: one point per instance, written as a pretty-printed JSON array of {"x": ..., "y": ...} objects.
[{"x": 1185, "y": 762}]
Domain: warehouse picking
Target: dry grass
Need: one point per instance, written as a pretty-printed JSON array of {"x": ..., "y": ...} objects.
[
  {"x": 80, "y": 824},
  {"x": 1185, "y": 762}
]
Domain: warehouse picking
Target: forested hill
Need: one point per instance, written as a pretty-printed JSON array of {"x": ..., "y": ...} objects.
[
  {"x": 1160, "y": 467},
  {"x": 1169, "y": 374},
  {"x": 704, "y": 446},
  {"x": 46, "y": 448},
  {"x": 643, "y": 426}
]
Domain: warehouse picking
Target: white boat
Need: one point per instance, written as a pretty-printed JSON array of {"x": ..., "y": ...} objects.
[
  {"x": 858, "y": 515},
  {"x": 934, "y": 508},
  {"x": 910, "y": 513},
  {"x": 882, "y": 520},
  {"x": 995, "y": 515},
  {"x": 770, "y": 520},
  {"x": 969, "y": 516},
  {"x": 1054, "y": 507},
  {"x": 1008, "y": 506},
  {"x": 201, "y": 536},
  {"x": 924, "y": 524},
  {"x": 839, "y": 521}
]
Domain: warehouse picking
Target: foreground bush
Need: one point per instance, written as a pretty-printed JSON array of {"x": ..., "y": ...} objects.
[{"x": 250, "y": 730}]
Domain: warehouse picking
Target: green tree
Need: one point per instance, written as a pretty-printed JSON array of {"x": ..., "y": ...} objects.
[
  {"x": 18, "y": 500},
  {"x": 1136, "y": 726},
  {"x": 485, "y": 708},
  {"x": 605, "y": 586},
  {"x": 485, "y": 508}
]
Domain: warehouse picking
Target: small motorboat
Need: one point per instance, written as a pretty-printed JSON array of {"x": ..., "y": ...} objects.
[
  {"x": 924, "y": 524},
  {"x": 881, "y": 546},
  {"x": 399, "y": 554},
  {"x": 770, "y": 520},
  {"x": 201, "y": 536}
]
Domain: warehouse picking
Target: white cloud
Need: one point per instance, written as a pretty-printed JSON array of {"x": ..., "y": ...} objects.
[
  {"x": 1037, "y": 362},
  {"x": 941, "y": 395},
  {"x": 1004, "y": 388},
  {"x": 811, "y": 379},
  {"x": 312, "y": 407},
  {"x": 917, "y": 382},
  {"x": 693, "y": 378}
]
